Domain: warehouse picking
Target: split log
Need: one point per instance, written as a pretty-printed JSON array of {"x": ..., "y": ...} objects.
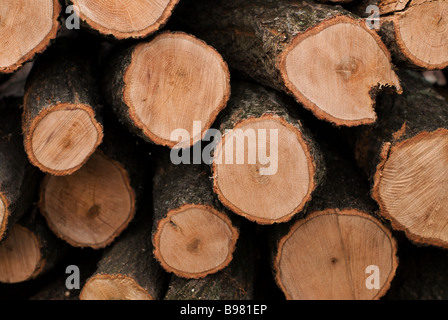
[
  {"x": 29, "y": 251},
  {"x": 61, "y": 108},
  {"x": 124, "y": 19},
  {"x": 415, "y": 31},
  {"x": 166, "y": 84},
  {"x": 271, "y": 177},
  {"x": 18, "y": 178},
  {"x": 310, "y": 51},
  {"x": 327, "y": 254},
  {"x": 92, "y": 206},
  {"x": 235, "y": 282},
  {"x": 27, "y": 29},
  {"x": 404, "y": 155},
  {"x": 128, "y": 270},
  {"x": 193, "y": 235}
]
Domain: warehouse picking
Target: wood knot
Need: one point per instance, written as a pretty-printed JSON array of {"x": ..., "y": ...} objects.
[
  {"x": 348, "y": 67},
  {"x": 194, "y": 246},
  {"x": 94, "y": 211}
]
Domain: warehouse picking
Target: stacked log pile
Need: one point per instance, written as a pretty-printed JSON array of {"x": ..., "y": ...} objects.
[{"x": 225, "y": 150}]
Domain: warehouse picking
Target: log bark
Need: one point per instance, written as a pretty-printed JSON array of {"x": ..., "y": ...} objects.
[
  {"x": 414, "y": 31},
  {"x": 193, "y": 235},
  {"x": 18, "y": 178},
  {"x": 264, "y": 191},
  {"x": 125, "y": 19},
  {"x": 420, "y": 281},
  {"x": 61, "y": 121},
  {"x": 326, "y": 255},
  {"x": 235, "y": 282},
  {"x": 93, "y": 206},
  {"x": 273, "y": 43},
  {"x": 128, "y": 270},
  {"x": 151, "y": 86},
  {"x": 403, "y": 154},
  {"x": 30, "y": 250},
  {"x": 28, "y": 28}
]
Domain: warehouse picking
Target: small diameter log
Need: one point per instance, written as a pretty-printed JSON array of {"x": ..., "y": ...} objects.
[
  {"x": 327, "y": 255},
  {"x": 92, "y": 206},
  {"x": 128, "y": 270},
  {"x": 308, "y": 50},
  {"x": 161, "y": 87},
  {"x": 124, "y": 19},
  {"x": 235, "y": 282},
  {"x": 27, "y": 28},
  {"x": 193, "y": 235},
  {"x": 282, "y": 164},
  {"x": 29, "y": 251},
  {"x": 18, "y": 178},
  {"x": 405, "y": 157},
  {"x": 415, "y": 31},
  {"x": 61, "y": 107}
]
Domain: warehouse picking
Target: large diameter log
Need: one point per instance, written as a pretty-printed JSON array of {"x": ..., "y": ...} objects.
[
  {"x": 310, "y": 51},
  {"x": 61, "y": 108},
  {"x": 193, "y": 234},
  {"x": 27, "y": 29},
  {"x": 124, "y": 19},
  {"x": 29, "y": 251},
  {"x": 18, "y": 178},
  {"x": 263, "y": 191},
  {"x": 167, "y": 84},
  {"x": 92, "y": 206},
  {"x": 405, "y": 156},
  {"x": 327, "y": 254},
  {"x": 128, "y": 270},
  {"x": 415, "y": 31}
]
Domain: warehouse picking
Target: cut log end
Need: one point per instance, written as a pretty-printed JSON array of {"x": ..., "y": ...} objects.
[
  {"x": 125, "y": 19},
  {"x": 422, "y": 34},
  {"x": 344, "y": 95},
  {"x": 175, "y": 74},
  {"x": 113, "y": 287},
  {"x": 264, "y": 193},
  {"x": 3, "y": 214},
  {"x": 307, "y": 263},
  {"x": 410, "y": 187},
  {"x": 61, "y": 139},
  {"x": 20, "y": 256},
  {"x": 194, "y": 241},
  {"x": 26, "y": 28},
  {"x": 90, "y": 207}
]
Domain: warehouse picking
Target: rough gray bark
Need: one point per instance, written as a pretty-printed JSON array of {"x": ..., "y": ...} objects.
[
  {"x": 18, "y": 178},
  {"x": 131, "y": 257}
]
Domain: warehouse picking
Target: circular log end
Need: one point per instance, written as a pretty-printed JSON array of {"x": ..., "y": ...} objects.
[
  {"x": 410, "y": 186},
  {"x": 422, "y": 34},
  {"x": 340, "y": 265},
  {"x": 344, "y": 96},
  {"x": 20, "y": 256},
  {"x": 61, "y": 139},
  {"x": 261, "y": 191},
  {"x": 172, "y": 82},
  {"x": 113, "y": 287},
  {"x": 26, "y": 29},
  {"x": 194, "y": 241},
  {"x": 91, "y": 207}
]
